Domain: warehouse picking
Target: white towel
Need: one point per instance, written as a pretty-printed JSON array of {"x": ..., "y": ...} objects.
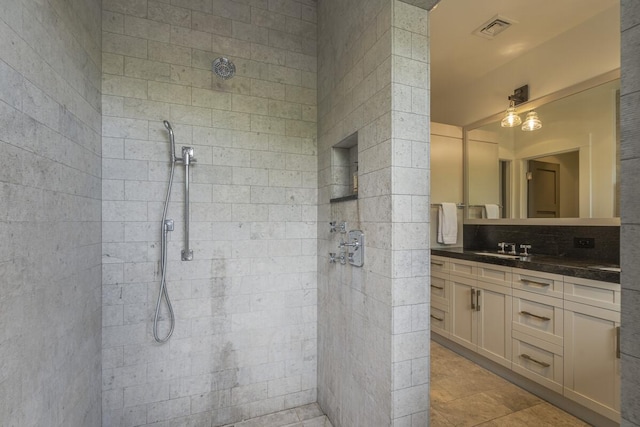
[
  {"x": 492, "y": 211},
  {"x": 447, "y": 223}
]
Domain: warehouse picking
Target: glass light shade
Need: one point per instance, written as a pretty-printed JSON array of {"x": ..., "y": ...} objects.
[
  {"x": 510, "y": 119},
  {"x": 531, "y": 122}
]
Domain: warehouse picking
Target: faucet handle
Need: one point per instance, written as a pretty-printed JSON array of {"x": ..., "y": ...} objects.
[
  {"x": 513, "y": 248},
  {"x": 501, "y": 245},
  {"x": 525, "y": 251}
]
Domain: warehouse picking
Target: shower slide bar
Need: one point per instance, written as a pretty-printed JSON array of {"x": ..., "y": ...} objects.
[{"x": 187, "y": 159}]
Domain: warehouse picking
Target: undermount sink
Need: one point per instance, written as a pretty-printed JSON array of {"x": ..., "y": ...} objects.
[
  {"x": 605, "y": 268},
  {"x": 496, "y": 255}
]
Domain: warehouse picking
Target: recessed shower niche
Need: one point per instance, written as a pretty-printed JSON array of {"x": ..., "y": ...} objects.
[{"x": 344, "y": 169}]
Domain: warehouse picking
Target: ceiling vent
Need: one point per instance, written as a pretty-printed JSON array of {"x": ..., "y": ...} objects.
[{"x": 493, "y": 27}]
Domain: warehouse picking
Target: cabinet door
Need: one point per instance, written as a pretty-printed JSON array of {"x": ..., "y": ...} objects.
[
  {"x": 591, "y": 365},
  {"x": 440, "y": 320},
  {"x": 463, "y": 311},
  {"x": 494, "y": 322}
]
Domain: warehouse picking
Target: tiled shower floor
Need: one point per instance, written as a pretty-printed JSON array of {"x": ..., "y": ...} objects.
[{"x": 304, "y": 416}]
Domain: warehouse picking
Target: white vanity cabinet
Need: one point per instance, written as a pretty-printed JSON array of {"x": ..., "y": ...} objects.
[
  {"x": 559, "y": 331},
  {"x": 481, "y": 309},
  {"x": 591, "y": 328},
  {"x": 440, "y": 296}
]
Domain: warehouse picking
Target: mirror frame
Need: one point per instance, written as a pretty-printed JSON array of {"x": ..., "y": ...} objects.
[{"x": 531, "y": 105}]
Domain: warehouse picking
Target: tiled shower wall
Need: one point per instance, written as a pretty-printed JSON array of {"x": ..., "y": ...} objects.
[
  {"x": 373, "y": 321},
  {"x": 50, "y": 213},
  {"x": 245, "y": 337},
  {"x": 630, "y": 211}
]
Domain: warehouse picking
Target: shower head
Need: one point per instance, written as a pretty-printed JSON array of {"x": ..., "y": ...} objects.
[
  {"x": 223, "y": 68},
  {"x": 173, "y": 141}
]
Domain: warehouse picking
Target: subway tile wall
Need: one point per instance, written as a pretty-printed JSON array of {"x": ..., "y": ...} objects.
[
  {"x": 373, "y": 321},
  {"x": 245, "y": 337},
  {"x": 50, "y": 213},
  {"x": 630, "y": 211}
]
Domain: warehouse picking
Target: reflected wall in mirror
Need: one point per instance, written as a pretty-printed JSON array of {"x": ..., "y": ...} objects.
[{"x": 567, "y": 169}]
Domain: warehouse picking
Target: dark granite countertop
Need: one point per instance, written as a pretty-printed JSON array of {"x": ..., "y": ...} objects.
[{"x": 584, "y": 268}]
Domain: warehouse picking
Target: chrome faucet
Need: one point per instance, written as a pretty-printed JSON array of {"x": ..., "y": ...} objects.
[
  {"x": 513, "y": 248},
  {"x": 501, "y": 245},
  {"x": 525, "y": 250}
]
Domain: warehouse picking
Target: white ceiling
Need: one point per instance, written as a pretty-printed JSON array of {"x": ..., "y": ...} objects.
[{"x": 458, "y": 57}]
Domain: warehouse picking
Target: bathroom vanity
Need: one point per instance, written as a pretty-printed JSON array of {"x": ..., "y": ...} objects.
[{"x": 553, "y": 321}]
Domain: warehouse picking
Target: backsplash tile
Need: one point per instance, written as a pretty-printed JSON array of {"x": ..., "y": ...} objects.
[{"x": 547, "y": 240}]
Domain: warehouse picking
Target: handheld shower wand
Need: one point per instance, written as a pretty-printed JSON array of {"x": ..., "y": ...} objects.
[{"x": 167, "y": 225}]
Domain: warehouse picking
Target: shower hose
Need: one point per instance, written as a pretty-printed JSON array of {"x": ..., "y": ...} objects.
[{"x": 163, "y": 260}]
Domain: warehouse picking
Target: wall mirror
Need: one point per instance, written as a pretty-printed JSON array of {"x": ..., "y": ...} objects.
[{"x": 568, "y": 169}]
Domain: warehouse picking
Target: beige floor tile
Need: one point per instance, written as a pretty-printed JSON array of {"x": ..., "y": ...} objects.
[
  {"x": 542, "y": 415},
  {"x": 471, "y": 410},
  {"x": 513, "y": 397},
  {"x": 437, "y": 420}
]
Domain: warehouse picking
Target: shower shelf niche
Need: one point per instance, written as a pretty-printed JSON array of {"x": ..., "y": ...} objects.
[{"x": 344, "y": 169}]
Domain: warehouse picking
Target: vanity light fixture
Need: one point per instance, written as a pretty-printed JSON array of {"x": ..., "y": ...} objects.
[
  {"x": 531, "y": 122},
  {"x": 511, "y": 118}
]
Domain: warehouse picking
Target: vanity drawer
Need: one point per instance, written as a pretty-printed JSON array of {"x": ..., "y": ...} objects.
[
  {"x": 462, "y": 268},
  {"x": 439, "y": 264},
  {"x": 539, "y": 316},
  {"x": 592, "y": 292},
  {"x": 496, "y": 274},
  {"x": 538, "y": 282},
  {"x": 538, "y": 360},
  {"x": 440, "y": 288},
  {"x": 440, "y": 320}
]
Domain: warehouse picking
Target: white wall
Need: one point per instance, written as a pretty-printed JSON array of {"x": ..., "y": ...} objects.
[
  {"x": 579, "y": 54},
  {"x": 446, "y": 178},
  {"x": 245, "y": 338},
  {"x": 50, "y": 149}
]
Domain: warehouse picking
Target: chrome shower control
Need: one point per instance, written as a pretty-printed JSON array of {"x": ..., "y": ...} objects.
[
  {"x": 356, "y": 257},
  {"x": 332, "y": 258},
  {"x": 168, "y": 225}
]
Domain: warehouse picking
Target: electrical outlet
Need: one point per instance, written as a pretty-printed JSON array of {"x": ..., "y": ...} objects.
[{"x": 584, "y": 242}]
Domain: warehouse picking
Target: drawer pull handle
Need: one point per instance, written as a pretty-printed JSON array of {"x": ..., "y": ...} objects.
[
  {"x": 526, "y": 313},
  {"x": 478, "y": 300},
  {"x": 531, "y": 359},
  {"x": 439, "y": 264},
  {"x": 533, "y": 282},
  {"x": 436, "y": 318},
  {"x": 617, "y": 342},
  {"x": 437, "y": 287},
  {"x": 473, "y": 299}
]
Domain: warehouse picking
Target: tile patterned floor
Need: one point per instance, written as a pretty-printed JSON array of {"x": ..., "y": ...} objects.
[
  {"x": 463, "y": 394},
  {"x": 302, "y": 416}
]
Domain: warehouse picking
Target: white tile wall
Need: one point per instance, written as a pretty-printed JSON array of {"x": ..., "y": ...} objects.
[
  {"x": 50, "y": 314},
  {"x": 630, "y": 211},
  {"x": 373, "y": 321},
  {"x": 244, "y": 343}
]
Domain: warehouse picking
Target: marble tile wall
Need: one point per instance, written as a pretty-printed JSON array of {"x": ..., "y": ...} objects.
[
  {"x": 630, "y": 211},
  {"x": 50, "y": 211},
  {"x": 373, "y": 321},
  {"x": 410, "y": 200},
  {"x": 245, "y": 337}
]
